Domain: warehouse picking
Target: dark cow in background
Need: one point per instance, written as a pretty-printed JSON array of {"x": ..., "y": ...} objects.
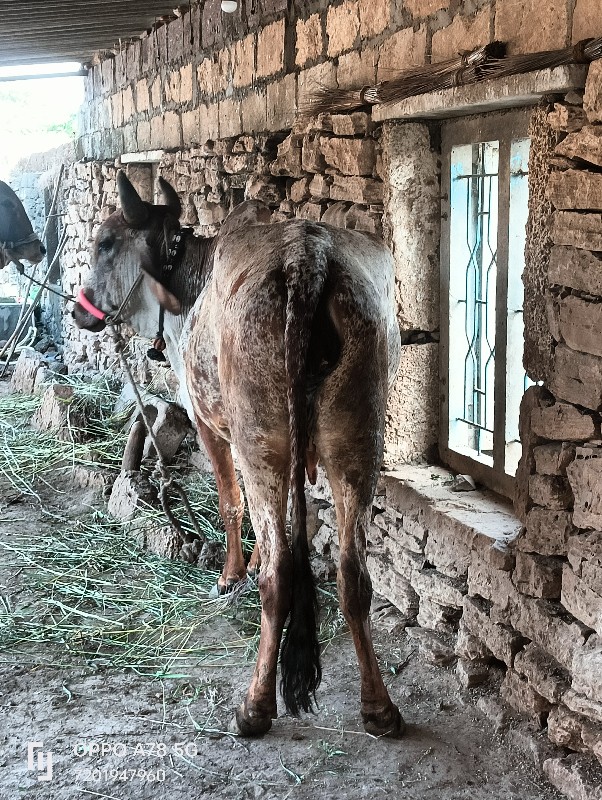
[
  {"x": 287, "y": 355},
  {"x": 17, "y": 239}
]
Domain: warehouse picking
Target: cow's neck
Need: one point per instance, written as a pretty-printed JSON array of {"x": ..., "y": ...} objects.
[{"x": 187, "y": 282}]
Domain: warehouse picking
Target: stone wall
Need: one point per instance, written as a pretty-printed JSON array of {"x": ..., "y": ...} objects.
[
  {"x": 218, "y": 96},
  {"x": 208, "y": 75}
]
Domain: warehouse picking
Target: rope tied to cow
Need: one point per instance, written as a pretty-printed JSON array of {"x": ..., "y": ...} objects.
[{"x": 192, "y": 541}]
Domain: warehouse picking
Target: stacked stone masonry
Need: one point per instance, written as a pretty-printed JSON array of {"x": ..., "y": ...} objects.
[{"x": 510, "y": 598}]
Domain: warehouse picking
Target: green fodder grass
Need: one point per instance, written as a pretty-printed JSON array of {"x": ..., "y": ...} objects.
[{"x": 88, "y": 595}]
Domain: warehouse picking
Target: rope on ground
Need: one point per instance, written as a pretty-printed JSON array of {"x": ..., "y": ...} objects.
[{"x": 167, "y": 482}]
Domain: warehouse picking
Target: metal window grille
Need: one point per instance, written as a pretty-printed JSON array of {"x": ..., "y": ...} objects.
[{"x": 485, "y": 208}]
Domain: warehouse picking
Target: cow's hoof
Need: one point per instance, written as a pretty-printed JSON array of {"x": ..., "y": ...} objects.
[
  {"x": 389, "y": 723},
  {"x": 220, "y": 589},
  {"x": 245, "y": 724}
]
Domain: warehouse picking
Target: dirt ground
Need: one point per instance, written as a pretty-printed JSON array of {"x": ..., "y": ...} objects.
[{"x": 122, "y": 736}]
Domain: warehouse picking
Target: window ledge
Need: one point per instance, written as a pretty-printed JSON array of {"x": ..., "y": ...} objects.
[
  {"x": 481, "y": 512},
  {"x": 513, "y": 91}
]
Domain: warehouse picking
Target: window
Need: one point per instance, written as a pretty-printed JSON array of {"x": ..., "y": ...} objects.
[{"x": 485, "y": 210}]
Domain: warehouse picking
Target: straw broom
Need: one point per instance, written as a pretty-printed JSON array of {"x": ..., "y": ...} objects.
[
  {"x": 462, "y": 69},
  {"x": 583, "y": 52}
]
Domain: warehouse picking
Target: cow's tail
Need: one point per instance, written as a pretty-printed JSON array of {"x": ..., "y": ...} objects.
[{"x": 305, "y": 269}]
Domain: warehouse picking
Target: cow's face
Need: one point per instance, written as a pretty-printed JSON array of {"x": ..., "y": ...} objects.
[
  {"x": 17, "y": 239},
  {"x": 128, "y": 245}
]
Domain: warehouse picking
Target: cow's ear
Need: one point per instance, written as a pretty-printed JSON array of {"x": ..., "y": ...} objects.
[{"x": 165, "y": 298}]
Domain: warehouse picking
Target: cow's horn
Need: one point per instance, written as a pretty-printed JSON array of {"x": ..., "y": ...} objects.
[
  {"x": 171, "y": 198},
  {"x": 135, "y": 210}
]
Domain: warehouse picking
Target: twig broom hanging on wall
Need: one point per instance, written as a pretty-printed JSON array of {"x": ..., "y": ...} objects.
[
  {"x": 410, "y": 82},
  {"x": 468, "y": 68}
]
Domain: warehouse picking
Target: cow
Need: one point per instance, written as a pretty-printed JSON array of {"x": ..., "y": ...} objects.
[
  {"x": 286, "y": 337},
  {"x": 17, "y": 239}
]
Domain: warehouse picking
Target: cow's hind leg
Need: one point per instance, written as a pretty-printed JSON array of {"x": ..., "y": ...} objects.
[
  {"x": 231, "y": 506},
  {"x": 380, "y": 715},
  {"x": 267, "y": 507},
  {"x": 349, "y": 436}
]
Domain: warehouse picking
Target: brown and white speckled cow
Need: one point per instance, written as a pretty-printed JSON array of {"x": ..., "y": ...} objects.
[
  {"x": 287, "y": 355},
  {"x": 17, "y": 239}
]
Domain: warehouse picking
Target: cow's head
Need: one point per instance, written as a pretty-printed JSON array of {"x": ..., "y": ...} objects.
[
  {"x": 17, "y": 239},
  {"x": 130, "y": 244}
]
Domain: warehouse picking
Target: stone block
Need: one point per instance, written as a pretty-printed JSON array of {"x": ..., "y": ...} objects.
[
  {"x": 550, "y": 491},
  {"x": 357, "y": 68},
  {"x": 463, "y": 33},
  {"x": 281, "y": 103},
  {"x": 450, "y": 554},
  {"x": 469, "y": 647},
  {"x": 586, "y": 20},
  {"x": 585, "y": 558},
  {"x": 587, "y": 669},
  {"x": 356, "y": 190},
  {"x": 130, "y": 491},
  {"x": 580, "y": 704},
  {"x": 374, "y": 17},
  {"x": 553, "y": 459},
  {"x": 432, "y": 647},
  {"x": 254, "y": 111},
  {"x": 208, "y": 122},
  {"x": 299, "y": 190},
  {"x": 412, "y": 222},
  {"x": 244, "y": 62},
  {"x": 579, "y": 323},
  {"x": 350, "y": 156},
  {"x": 575, "y": 268},
  {"x": 564, "y": 729},
  {"x": 546, "y": 624},
  {"x": 490, "y": 584},
  {"x": 563, "y": 422},
  {"x": 538, "y": 576},
  {"x": 309, "y": 40},
  {"x": 584, "y": 144},
  {"x": 402, "y": 50},
  {"x": 437, "y": 587},
  {"x": 529, "y": 27},
  {"x": 521, "y": 696},
  {"x": 230, "y": 123},
  {"x": 502, "y": 641},
  {"x": 567, "y": 119},
  {"x": 390, "y": 584},
  {"x": 547, "y": 532},
  {"x": 357, "y": 123},
  {"x": 319, "y": 186},
  {"x": 342, "y": 27},
  {"x": 270, "y": 49},
  {"x": 436, "y": 617},
  {"x": 321, "y": 76},
  {"x": 575, "y": 189},
  {"x": 581, "y": 601},
  {"x": 592, "y": 98},
  {"x": 577, "y": 229},
  {"x": 471, "y": 673},
  {"x": 577, "y": 377},
  {"x": 546, "y": 676},
  {"x": 58, "y": 413},
  {"x": 576, "y": 777},
  {"x": 24, "y": 379},
  {"x": 585, "y": 477},
  {"x": 534, "y": 400}
]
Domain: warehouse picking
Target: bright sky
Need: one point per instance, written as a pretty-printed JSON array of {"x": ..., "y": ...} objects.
[{"x": 36, "y": 114}]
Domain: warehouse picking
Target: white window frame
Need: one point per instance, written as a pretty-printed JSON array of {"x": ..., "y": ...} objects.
[{"x": 488, "y": 468}]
